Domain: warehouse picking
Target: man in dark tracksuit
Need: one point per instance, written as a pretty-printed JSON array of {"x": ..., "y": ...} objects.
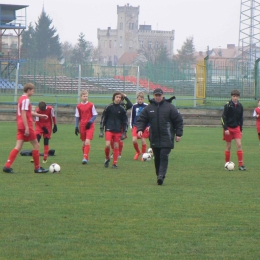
[
  {"x": 165, "y": 122},
  {"x": 114, "y": 120}
]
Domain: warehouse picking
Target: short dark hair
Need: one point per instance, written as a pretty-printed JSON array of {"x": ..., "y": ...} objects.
[
  {"x": 235, "y": 92},
  {"x": 42, "y": 105},
  {"x": 116, "y": 94},
  {"x": 28, "y": 86}
]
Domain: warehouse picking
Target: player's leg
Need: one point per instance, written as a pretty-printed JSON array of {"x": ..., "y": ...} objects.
[
  {"x": 36, "y": 157},
  {"x": 46, "y": 149},
  {"x": 38, "y": 137},
  {"x": 240, "y": 154},
  {"x": 143, "y": 146},
  {"x": 157, "y": 159},
  {"x": 12, "y": 156},
  {"x": 116, "y": 138},
  {"x": 120, "y": 148},
  {"x": 135, "y": 143},
  {"x": 228, "y": 152},
  {"x": 89, "y": 137},
  {"x": 86, "y": 151},
  {"x": 108, "y": 136},
  {"x": 112, "y": 147}
]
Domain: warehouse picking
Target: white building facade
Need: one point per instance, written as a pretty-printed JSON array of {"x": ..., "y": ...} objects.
[{"x": 130, "y": 36}]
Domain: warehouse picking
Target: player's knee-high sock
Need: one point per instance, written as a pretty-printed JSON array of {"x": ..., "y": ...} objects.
[
  {"x": 11, "y": 158},
  {"x": 227, "y": 156},
  {"x": 240, "y": 158},
  {"x": 83, "y": 147},
  {"x": 36, "y": 158},
  {"x": 259, "y": 136},
  {"x": 112, "y": 144},
  {"x": 107, "y": 151},
  {"x": 136, "y": 147},
  {"x": 46, "y": 151},
  {"x": 115, "y": 155},
  {"x": 86, "y": 151},
  {"x": 143, "y": 148},
  {"x": 121, "y": 145}
]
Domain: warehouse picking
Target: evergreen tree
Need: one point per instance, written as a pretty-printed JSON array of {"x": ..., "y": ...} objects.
[
  {"x": 47, "y": 41},
  {"x": 28, "y": 48},
  {"x": 186, "y": 53},
  {"x": 83, "y": 50}
]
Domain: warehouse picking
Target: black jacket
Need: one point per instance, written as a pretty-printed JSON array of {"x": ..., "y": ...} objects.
[
  {"x": 232, "y": 115},
  {"x": 114, "y": 118},
  {"x": 165, "y": 122}
]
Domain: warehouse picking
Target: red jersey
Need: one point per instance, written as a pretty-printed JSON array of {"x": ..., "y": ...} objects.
[
  {"x": 257, "y": 112},
  {"x": 24, "y": 104},
  {"x": 39, "y": 121},
  {"x": 85, "y": 111}
]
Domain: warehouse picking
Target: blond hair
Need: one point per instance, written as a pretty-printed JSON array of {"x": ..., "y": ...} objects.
[
  {"x": 140, "y": 94},
  {"x": 28, "y": 86},
  {"x": 83, "y": 92}
]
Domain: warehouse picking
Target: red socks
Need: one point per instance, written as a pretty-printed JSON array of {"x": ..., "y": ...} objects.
[
  {"x": 86, "y": 151},
  {"x": 11, "y": 158},
  {"x": 46, "y": 152},
  {"x": 240, "y": 156},
  {"x": 36, "y": 158},
  {"x": 227, "y": 156},
  {"x": 144, "y": 148},
  {"x": 107, "y": 151}
]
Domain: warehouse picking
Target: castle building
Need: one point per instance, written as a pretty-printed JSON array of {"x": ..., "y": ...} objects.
[{"x": 130, "y": 37}]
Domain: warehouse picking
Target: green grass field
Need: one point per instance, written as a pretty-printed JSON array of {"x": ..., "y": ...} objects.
[{"x": 90, "y": 212}]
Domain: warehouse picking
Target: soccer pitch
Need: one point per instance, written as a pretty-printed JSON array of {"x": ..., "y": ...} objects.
[{"x": 90, "y": 212}]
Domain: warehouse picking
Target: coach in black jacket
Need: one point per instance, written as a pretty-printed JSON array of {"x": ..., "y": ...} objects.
[{"x": 165, "y": 124}]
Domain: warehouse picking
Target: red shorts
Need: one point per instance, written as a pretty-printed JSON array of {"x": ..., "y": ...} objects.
[
  {"x": 258, "y": 126},
  {"x": 234, "y": 133},
  {"x": 87, "y": 133},
  {"x": 20, "y": 135},
  {"x": 113, "y": 136},
  {"x": 39, "y": 131},
  {"x": 146, "y": 132}
]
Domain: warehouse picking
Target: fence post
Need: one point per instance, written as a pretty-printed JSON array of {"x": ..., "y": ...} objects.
[
  {"x": 79, "y": 83},
  {"x": 16, "y": 82},
  {"x": 256, "y": 78}
]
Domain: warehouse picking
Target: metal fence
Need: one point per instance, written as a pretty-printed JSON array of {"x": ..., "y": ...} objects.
[{"x": 208, "y": 80}]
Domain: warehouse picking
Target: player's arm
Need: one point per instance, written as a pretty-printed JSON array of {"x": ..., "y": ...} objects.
[
  {"x": 77, "y": 119},
  {"x": 24, "y": 118},
  {"x": 128, "y": 104},
  {"x": 224, "y": 118},
  {"x": 132, "y": 116},
  {"x": 242, "y": 119},
  {"x": 103, "y": 122},
  {"x": 93, "y": 118},
  {"x": 53, "y": 117},
  {"x": 39, "y": 115},
  {"x": 141, "y": 122}
]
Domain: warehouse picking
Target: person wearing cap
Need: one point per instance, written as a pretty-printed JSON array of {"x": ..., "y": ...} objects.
[
  {"x": 166, "y": 124},
  {"x": 232, "y": 122}
]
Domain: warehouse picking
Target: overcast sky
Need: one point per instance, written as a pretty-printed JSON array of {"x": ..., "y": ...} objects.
[{"x": 212, "y": 23}]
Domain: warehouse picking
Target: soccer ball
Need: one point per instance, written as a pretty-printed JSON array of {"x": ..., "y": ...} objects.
[
  {"x": 54, "y": 168},
  {"x": 147, "y": 157},
  {"x": 229, "y": 166},
  {"x": 150, "y": 151}
]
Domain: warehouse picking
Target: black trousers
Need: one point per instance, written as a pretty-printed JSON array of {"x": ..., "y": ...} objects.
[{"x": 161, "y": 156}]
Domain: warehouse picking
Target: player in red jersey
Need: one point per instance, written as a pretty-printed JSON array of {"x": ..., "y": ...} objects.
[
  {"x": 232, "y": 122},
  {"x": 256, "y": 114},
  {"x": 25, "y": 131},
  {"x": 85, "y": 116},
  {"x": 44, "y": 126}
]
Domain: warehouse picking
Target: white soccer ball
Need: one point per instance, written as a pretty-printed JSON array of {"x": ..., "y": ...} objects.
[
  {"x": 230, "y": 166},
  {"x": 54, "y": 168},
  {"x": 150, "y": 151},
  {"x": 147, "y": 157}
]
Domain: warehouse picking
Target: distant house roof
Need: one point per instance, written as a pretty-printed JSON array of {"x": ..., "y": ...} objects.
[{"x": 127, "y": 58}]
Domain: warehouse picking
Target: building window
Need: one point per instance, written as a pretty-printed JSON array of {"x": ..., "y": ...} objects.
[
  {"x": 121, "y": 26},
  {"x": 115, "y": 44},
  {"x": 150, "y": 45},
  {"x": 131, "y": 26},
  {"x": 121, "y": 42},
  {"x": 110, "y": 44}
]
